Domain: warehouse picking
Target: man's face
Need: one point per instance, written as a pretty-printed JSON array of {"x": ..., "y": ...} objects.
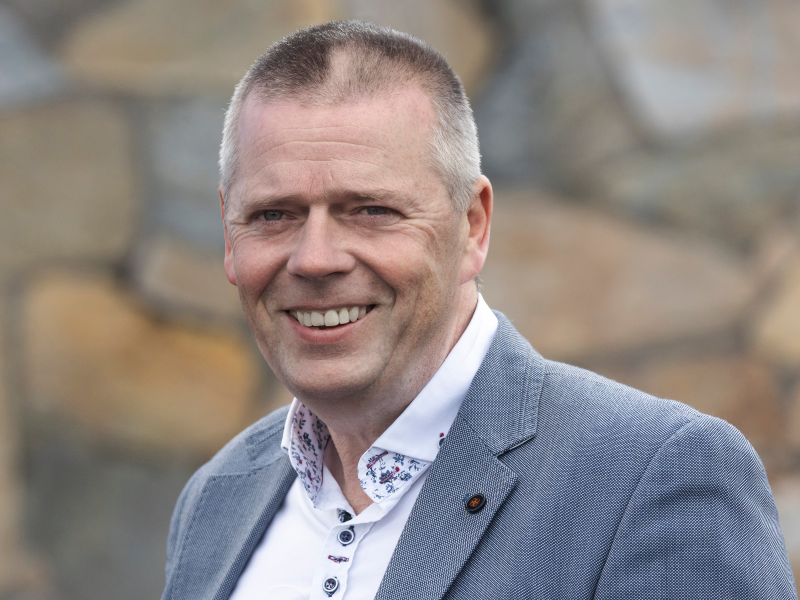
[{"x": 335, "y": 208}]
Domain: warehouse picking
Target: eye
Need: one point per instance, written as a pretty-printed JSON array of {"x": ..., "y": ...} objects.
[
  {"x": 272, "y": 215},
  {"x": 375, "y": 210}
]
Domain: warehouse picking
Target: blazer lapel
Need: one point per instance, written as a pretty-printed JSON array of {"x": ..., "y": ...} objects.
[
  {"x": 499, "y": 413},
  {"x": 230, "y": 517},
  {"x": 441, "y": 534}
]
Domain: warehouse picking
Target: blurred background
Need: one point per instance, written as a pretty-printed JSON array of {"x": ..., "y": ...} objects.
[{"x": 646, "y": 160}]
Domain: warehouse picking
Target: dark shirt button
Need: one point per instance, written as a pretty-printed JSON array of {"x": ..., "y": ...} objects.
[
  {"x": 346, "y": 536},
  {"x": 441, "y": 441},
  {"x": 330, "y": 585},
  {"x": 475, "y": 503}
]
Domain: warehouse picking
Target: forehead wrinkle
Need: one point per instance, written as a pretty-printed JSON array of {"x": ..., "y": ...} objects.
[
  {"x": 355, "y": 131},
  {"x": 326, "y": 142},
  {"x": 331, "y": 159},
  {"x": 332, "y": 126}
]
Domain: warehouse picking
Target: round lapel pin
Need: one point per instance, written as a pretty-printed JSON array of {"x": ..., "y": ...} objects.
[{"x": 475, "y": 503}]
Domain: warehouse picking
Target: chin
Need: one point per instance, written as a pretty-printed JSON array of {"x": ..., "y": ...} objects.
[{"x": 327, "y": 384}]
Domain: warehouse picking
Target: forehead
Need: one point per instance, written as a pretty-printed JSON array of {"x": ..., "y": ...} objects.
[{"x": 383, "y": 137}]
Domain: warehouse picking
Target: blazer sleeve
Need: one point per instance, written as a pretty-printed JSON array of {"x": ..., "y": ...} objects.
[{"x": 701, "y": 523}]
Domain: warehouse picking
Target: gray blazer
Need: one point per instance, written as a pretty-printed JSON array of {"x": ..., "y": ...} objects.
[{"x": 593, "y": 490}]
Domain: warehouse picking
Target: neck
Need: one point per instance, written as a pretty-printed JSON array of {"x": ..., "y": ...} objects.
[{"x": 341, "y": 457}]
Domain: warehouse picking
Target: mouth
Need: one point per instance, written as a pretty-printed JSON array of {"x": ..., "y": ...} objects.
[{"x": 330, "y": 318}]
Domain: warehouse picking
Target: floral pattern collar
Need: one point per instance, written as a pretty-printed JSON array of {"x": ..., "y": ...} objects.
[
  {"x": 380, "y": 471},
  {"x": 408, "y": 447}
]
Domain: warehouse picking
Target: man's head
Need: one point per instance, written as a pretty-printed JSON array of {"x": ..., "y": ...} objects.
[
  {"x": 334, "y": 199},
  {"x": 345, "y": 61}
]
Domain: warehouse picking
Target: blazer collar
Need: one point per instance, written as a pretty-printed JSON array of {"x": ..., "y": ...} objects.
[{"x": 502, "y": 404}]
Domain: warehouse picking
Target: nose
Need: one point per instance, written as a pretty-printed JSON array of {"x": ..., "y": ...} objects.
[{"x": 320, "y": 247}]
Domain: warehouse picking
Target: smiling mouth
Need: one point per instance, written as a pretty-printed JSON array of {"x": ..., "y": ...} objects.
[{"x": 330, "y": 318}]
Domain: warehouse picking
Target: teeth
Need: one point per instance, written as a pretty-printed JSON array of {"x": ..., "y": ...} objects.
[{"x": 330, "y": 318}]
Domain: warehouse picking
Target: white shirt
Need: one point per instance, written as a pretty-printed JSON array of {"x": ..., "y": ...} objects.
[{"x": 314, "y": 549}]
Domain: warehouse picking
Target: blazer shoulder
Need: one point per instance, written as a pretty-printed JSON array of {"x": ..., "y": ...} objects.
[
  {"x": 704, "y": 507},
  {"x": 611, "y": 413},
  {"x": 558, "y": 403}
]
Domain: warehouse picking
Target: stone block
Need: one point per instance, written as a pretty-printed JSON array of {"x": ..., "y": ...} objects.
[
  {"x": 454, "y": 27},
  {"x": 66, "y": 183},
  {"x": 690, "y": 68},
  {"x": 736, "y": 189},
  {"x": 579, "y": 283},
  {"x": 182, "y": 279},
  {"x": 613, "y": 100},
  {"x": 166, "y": 47},
  {"x": 50, "y": 18},
  {"x": 11, "y": 554},
  {"x": 776, "y": 330},
  {"x": 739, "y": 389},
  {"x": 26, "y": 72},
  {"x": 517, "y": 17},
  {"x": 776, "y": 250},
  {"x": 549, "y": 113},
  {"x": 95, "y": 357},
  {"x": 183, "y": 144},
  {"x": 99, "y": 517}
]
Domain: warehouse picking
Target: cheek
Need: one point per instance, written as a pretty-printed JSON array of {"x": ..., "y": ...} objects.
[
  {"x": 432, "y": 249},
  {"x": 419, "y": 274},
  {"x": 255, "y": 265}
]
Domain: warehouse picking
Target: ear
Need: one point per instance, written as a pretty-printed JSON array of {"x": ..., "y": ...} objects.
[
  {"x": 229, "y": 271},
  {"x": 479, "y": 220}
]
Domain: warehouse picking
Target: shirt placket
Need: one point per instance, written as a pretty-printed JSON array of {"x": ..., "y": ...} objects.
[{"x": 330, "y": 578}]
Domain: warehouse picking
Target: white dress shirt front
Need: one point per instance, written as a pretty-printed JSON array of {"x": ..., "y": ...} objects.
[{"x": 314, "y": 548}]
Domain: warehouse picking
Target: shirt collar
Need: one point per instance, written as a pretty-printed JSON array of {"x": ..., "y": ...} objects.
[{"x": 412, "y": 442}]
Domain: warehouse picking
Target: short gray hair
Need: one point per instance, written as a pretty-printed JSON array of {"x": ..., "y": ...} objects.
[{"x": 301, "y": 67}]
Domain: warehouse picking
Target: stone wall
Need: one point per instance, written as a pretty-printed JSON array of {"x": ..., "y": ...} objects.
[{"x": 647, "y": 227}]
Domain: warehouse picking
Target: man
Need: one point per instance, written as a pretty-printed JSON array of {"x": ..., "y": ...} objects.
[{"x": 429, "y": 451}]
